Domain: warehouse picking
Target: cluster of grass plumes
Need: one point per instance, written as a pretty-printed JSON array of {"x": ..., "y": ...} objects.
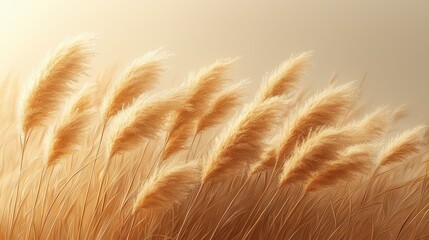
[{"x": 126, "y": 161}]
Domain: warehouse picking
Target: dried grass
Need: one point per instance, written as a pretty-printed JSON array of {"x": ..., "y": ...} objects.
[
  {"x": 351, "y": 187},
  {"x": 66, "y": 137},
  {"x": 44, "y": 93}
]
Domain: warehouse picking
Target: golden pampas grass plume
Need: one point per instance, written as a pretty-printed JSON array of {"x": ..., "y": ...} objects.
[
  {"x": 222, "y": 106},
  {"x": 143, "y": 120},
  {"x": 201, "y": 86},
  {"x": 323, "y": 109},
  {"x": 171, "y": 184},
  {"x": 401, "y": 146},
  {"x": 284, "y": 79},
  {"x": 242, "y": 143},
  {"x": 141, "y": 76},
  {"x": 322, "y": 146},
  {"x": 42, "y": 95},
  {"x": 355, "y": 159},
  {"x": 67, "y": 135}
]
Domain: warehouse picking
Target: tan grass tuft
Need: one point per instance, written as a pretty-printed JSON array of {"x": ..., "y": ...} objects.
[
  {"x": 402, "y": 146},
  {"x": 285, "y": 77},
  {"x": 201, "y": 86},
  {"x": 323, "y": 109},
  {"x": 242, "y": 143},
  {"x": 321, "y": 147},
  {"x": 144, "y": 119},
  {"x": 268, "y": 160},
  {"x": 139, "y": 77},
  {"x": 42, "y": 95},
  {"x": 222, "y": 106},
  {"x": 64, "y": 138},
  {"x": 171, "y": 184},
  {"x": 355, "y": 159},
  {"x": 400, "y": 113},
  {"x": 375, "y": 124}
]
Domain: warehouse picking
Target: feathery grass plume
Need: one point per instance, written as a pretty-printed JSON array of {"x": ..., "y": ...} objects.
[
  {"x": 355, "y": 159},
  {"x": 269, "y": 156},
  {"x": 172, "y": 183},
  {"x": 374, "y": 124},
  {"x": 144, "y": 119},
  {"x": 402, "y": 146},
  {"x": 201, "y": 87},
  {"x": 323, "y": 109},
  {"x": 242, "y": 143},
  {"x": 222, "y": 106},
  {"x": 333, "y": 79},
  {"x": 400, "y": 113},
  {"x": 65, "y": 138},
  {"x": 321, "y": 147},
  {"x": 139, "y": 77},
  {"x": 103, "y": 82},
  {"x": 46, "y": 90},
  {"x": 285, "y": 77}
]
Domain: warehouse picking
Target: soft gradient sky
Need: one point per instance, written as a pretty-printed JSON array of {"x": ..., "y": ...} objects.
[{"x": 387, "y": 39}]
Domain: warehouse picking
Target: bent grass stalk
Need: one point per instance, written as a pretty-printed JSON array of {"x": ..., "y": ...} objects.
[
  {"x": 90, "y": 180},
  {"x": 59, "y": 193},
  {"x": 228, "y": 207},
  {"x": 266, "y": 187},
  {"x": 43, "y": 198},
  {"x": 191, "y": 206},
  {"x": 23, "y": 146}
]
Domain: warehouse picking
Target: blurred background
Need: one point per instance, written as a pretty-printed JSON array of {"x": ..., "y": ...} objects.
[{"x": 387, "y": 40}]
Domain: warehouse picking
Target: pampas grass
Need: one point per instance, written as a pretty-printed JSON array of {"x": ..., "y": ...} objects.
[
  {"x": 242, "y": 143},
  {"x": 222, "y": 106},
  {"x": 139, "y": 77},
  {"x": 323, "y": 109},
  {"x": 353, "y": 160},
  {"x": 107, "y": 162},
  {"x": 65, "y": 138},
  {"x": 42, "y": 95},
  {"x": 201, "y": 87},
  {"x": 321, "y": 147},
  {"x": 170, "y": 184},
  {"x": 284, "y": 79},
  {"x": 402, "y": 146},
  {"x": 144, "y": 119}
]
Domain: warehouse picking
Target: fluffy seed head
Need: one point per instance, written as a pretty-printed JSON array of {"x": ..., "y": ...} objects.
[
  {"x": 222, "y": 106},
  {"x": 402, "y": 146},
  {"x": 285, "y": 77},
  {"x": 66, "y": 137},
  {"x": 400, "y": 113},
  {"x": 139, "y": 77},
  {"x": 45, "y": 91},
  {"x": 321, "y": 147},
  {"x": 373, "y": 125},
  {"x": 355, "y": 159},
  {"x": 242, "y": 143},
  {"x": 201, "y": 87},
  {"x": 323, "y": 109},
  {"x": 144, "y": 119},
  {"x": 169, "y": 185}
]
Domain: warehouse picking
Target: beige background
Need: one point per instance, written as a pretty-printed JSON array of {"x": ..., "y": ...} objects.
[{"x": 386, "y": 39}]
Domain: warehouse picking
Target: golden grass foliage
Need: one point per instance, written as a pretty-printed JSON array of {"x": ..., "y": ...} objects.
[
  {"x": 169, "y": 185},
  {"x": 43, "y": 94},
  {"x": 122, "y": 161},
  {"x": 64, "y": 138}
]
